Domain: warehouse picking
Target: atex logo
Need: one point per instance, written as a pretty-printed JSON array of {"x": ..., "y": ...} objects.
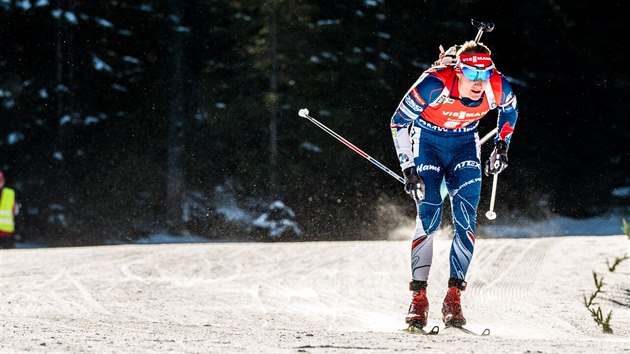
[
  {"x": 424, "y": 167},
  {"x": 467, "y": 164}
]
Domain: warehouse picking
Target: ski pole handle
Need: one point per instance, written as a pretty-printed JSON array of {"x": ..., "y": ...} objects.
[
  {"x": 490, "y": 214},
  {"x": 304, "y": 114}
]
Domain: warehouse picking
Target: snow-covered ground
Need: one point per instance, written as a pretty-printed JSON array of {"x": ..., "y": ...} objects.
[
  {"x": 313, "y": 297},
  {"x": 610, "y": 224}
]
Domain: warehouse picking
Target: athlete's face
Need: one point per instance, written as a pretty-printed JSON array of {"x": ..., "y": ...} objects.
[{"x": 470, "y": 89}]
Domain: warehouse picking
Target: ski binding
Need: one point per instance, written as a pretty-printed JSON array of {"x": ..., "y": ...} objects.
[{"x": 418, "y": 330}]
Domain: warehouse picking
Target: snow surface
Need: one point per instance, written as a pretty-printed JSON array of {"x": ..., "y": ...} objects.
[
  {"x": 307, "y": 297},
  {"x": 610, "y": 224}
]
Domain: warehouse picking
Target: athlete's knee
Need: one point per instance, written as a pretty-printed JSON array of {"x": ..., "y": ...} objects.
[{"x": 429, "y": 218}]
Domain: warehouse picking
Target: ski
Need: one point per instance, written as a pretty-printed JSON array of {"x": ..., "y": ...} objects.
[
  {"x": 417, "y": 330},
  {"x": 436, "y": 330},
  {"x": 484, "y": 333}
]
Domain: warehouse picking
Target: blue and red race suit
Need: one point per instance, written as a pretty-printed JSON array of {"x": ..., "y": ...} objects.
[{"x": 435, "y": 130}]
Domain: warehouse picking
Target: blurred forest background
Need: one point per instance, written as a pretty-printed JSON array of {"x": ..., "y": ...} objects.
[{"x": 119, "y": 119}]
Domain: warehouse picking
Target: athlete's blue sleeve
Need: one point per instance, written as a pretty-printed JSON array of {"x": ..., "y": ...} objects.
[
  {"x": 508, "y": 113},
  {"x": 419, "y": 96},
  {"x": 422, "y": 93}
]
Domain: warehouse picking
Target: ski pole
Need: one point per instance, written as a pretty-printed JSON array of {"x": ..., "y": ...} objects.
[
  {"x": 487, "y": 27},
  {"x": 488, "y": 136},
  {"x": 490, "y": 214},
  {"x": 304, "y": 114}
]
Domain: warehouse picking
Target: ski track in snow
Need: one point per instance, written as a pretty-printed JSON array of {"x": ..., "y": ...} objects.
[{"x": 307, "y": 297}]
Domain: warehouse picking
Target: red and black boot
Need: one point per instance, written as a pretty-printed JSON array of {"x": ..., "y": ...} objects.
[
  {"x": 419, "y": 308},
  {"x": 452, "y": 307}
]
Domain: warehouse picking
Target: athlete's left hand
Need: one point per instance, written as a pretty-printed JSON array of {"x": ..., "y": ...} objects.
[
  {"x": 414, "y": 184},
  {"x": 498, "y": 160}
]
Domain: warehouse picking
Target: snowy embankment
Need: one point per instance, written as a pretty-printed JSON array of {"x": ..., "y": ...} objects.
[{"x": 307, "y": 297}]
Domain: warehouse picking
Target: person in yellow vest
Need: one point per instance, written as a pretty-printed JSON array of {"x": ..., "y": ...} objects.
[{"x": 9, "y": 208}]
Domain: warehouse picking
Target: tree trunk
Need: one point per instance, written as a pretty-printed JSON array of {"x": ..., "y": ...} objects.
[
  {"x": 273, "y": 101},
  {"x": 176, "y": 120}
]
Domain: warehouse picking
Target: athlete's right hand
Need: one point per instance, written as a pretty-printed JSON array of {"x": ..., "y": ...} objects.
[
  {"x": 414, "y": 184},
  {"x": 498, "y": 160}
]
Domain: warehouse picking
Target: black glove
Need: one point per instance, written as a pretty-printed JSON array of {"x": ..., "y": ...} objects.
[
  {"x": 498, "y": 160},
  {"x": 414, "y": 184}
]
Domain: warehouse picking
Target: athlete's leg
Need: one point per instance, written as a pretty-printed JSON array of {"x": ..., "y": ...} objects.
[
  {"x": 429, "y": 212},
  {"x": 463, "y": 176}
]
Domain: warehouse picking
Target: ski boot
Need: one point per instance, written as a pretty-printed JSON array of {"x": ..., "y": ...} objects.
[
  {"x": 419, "y": 308},
  {"x": 452, "y": 308}
]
